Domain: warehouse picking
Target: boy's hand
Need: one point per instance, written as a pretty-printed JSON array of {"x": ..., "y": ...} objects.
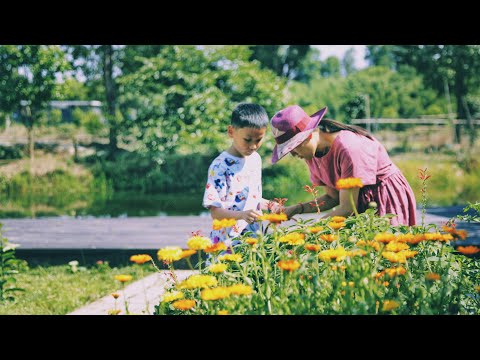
[
  {"x": 250, "y": 216},
  {"x": 275, "y": 207}
]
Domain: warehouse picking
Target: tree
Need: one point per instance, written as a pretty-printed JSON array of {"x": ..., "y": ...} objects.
[
  {"x": 29, "y": 74},
  {"x": 183, "y": 98},
  {"x": 454, "y": 66},
  {"x": 348, "y": 62},
  {"x": 284, "y": 60},
  {"x": 381, "y": 55},
  {"x": 331, "y": 67}
]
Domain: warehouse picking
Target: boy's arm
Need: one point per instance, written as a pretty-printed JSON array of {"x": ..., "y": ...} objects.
[{"x": 248, "y": 215}]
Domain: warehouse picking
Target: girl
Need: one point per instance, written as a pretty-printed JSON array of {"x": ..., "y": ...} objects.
[{"x": 334, "y": 151}]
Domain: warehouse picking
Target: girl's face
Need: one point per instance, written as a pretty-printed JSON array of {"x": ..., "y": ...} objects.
[
  {"x": 246, "y": 140},
  {"x": 306, "y": 150}
]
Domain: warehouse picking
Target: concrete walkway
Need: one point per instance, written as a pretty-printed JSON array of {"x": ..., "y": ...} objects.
[{"x": 138, "y": 294}]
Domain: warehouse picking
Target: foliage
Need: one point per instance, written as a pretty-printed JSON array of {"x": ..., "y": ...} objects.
[
  {"x": 186, "y": 95},
  {"x": 8, "y": 269},
  {"x": 358, "y": 265}
]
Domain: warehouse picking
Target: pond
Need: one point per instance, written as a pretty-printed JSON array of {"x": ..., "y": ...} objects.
[{"x": 118, "y": 205}]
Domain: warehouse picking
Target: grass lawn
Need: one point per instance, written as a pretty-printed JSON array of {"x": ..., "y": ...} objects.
[{"x": 56, "y": 290}]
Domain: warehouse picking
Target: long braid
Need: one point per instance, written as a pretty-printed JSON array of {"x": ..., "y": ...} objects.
[{"x": 331, "y": 126}]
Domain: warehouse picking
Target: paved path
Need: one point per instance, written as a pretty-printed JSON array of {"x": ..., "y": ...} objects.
[
  {"x": 137, "y": 294},
  {"x": 145, "y": 232}
]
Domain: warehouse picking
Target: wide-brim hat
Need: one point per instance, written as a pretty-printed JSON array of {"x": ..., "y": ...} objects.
[{"x": 291, "y": 127}]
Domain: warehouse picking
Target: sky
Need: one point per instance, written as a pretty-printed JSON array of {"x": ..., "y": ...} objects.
[{"x": 339, "y": 51}]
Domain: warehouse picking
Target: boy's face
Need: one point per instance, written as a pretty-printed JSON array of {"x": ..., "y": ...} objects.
[{"x": 246, "y": 140}]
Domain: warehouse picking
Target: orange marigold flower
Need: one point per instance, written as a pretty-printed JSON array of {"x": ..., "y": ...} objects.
[
  {"x": 462, "y": 234},
  {"x": 187, "y": 253},
  {"x": 336, "y": 225},
  {"x": 220, "y": 246},
  {"x": 199, "y": 242},
  {"x": 116, "y": 295},
  {"x": 477, "y": 288},
  {"x": 184, "y": 304},
  {"x": 288, "y": 265},
  {"x": 223, "y": 223},
  {"x": 432, "y": 276},
  {"x": 315, "y": 229},
  {"x": 468, "y": 250},
  {"x": 140, "y": 259},
  {"x": 312, "y": 247},
  {"x": 384, "y": 237},
  {"x": 349, "y": 183},
  {"x": 386, "y": 283},
  {"x": 273, "y": 218},
  {"x": 390, "y": 305},
  {"x": 251, "y": 241},
  {"x": 392, "y": 272},
  {"x": 123, "y": 278},
  {"x": 356, "y": 252},
  {"x": 338, "y": 218},
  {"x": 329, "y": 237}
]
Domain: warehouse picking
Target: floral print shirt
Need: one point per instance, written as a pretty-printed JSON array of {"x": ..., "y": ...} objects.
[{"x": 234, "y": 183}]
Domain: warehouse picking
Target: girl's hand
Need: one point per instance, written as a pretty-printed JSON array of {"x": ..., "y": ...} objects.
[
  {"x": 291, "y": 210},
  {"x": 250, "y": 216}
]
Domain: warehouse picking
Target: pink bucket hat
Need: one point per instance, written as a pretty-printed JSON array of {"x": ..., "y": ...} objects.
[{"x": 290, "y": 127}]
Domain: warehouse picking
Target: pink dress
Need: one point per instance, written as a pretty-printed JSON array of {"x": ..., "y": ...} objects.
[{"x": 353, "y": 155}]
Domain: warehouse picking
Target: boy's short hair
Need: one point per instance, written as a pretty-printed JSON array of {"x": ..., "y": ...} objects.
[{"x": 246, "y": 115}]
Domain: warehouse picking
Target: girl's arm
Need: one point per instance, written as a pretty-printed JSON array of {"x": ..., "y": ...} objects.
[{"x": 345, "y": 205}]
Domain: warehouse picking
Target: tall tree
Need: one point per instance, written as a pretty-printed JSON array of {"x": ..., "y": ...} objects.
[
  {"x": 28, "y": 76},
  {"x": 381, "y": 55},
  {"x": 284, "y": 60},
  {"x": 348, "y": 61},
  {"x": 331, "y": 67},
  {"x": 457, "y": 66}
]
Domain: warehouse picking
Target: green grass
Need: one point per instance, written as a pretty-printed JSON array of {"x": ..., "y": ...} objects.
[{"x": 56, "y": 290}]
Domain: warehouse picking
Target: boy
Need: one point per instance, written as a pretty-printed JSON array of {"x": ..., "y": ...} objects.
[{"x": 234, "y": 185}]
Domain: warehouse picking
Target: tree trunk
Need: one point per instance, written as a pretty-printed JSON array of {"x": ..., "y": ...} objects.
[
  {"x": 110, "y": 95},
  {"x": 460, "y": 92},
  {"x": 31, "y": 145}
]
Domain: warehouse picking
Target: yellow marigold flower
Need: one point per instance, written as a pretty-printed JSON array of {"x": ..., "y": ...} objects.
[
  {"x": 408, "y": 253},
  {"x": 349, "y": 183},
  {"x": 184, "y": 304},
  {"x": 116, "y": 295},
  {"x": 384, "y": 237},
  {"x": 404, "y": 238},
  {"x": 251, "y": 241},
  {"x": 394, "y": 257},
  {"x": 390, "y": 305},
  {"x": 293, "y": 239},
  {"x": 396, "y": 246},
  {"x": 312, "y": 247},
  {"x": 172, "y": 296},
  {"x": 240, "y": 289},
  {"x": 448, "y": 237},
  {"x": 220, "y": 246},
  {"x": 315, "y": 229},
  {"x": 468, "y": 250},
  {"x": 140, "y": 259},
  {"x": 170, "y": 253},
  {"x": 222, "y": 312},
  {"x": 217, "y": 293},
  {"x": 432, "y": 276},
  {"x": 223, "y": 223},
  {"x": 114, "y": 312},
  {"x": 217, "y": 268},
  {"x": 198, "y": 281},
  {"x": 433, "y": 236},
  {"x": 329, "y": 237},
  {"x": 187, "y": 253},
  {"x": 416, "y": 239},
  {"x": 199, "y": 242},
  {"x": 273, "y": 218},
  {"x": 338, "y": 254},
  {"x": 477, "y": 288},
  {"x": 230, "y": 257},
  {"x": 336, "y": 225},
  {"x": 344, "y": 283},
  {"x": 123, "y": 278},
  {"x": 351, "y": 284},
  {"x": 338, "y": 219},
  {"x": 288, "y": 265}
]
